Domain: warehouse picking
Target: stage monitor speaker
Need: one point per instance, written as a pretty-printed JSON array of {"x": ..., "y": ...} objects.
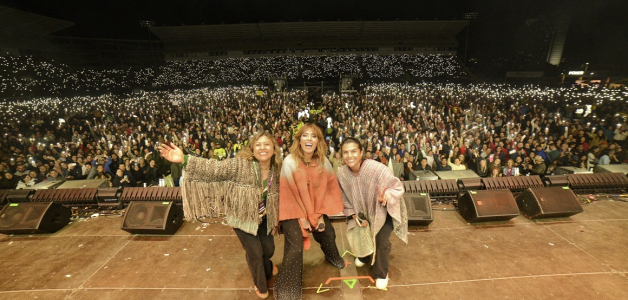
[
  {"x": 487, "y": 205},
  {"x": 149, "y": 217},
  {"x": 548, "y": 202},
  {"x": 419, "y": 208},
  {"x": 27, "y": 218}
]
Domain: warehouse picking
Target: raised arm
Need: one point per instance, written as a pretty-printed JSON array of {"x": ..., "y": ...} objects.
[{"x": 207, "y": 170}]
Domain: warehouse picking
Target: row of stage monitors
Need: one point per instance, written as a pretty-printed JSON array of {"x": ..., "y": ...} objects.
[
  {"x": 165, "y": 217},
  {"x": 140, "y": 217},
  {"x": 499, "y": 205}
]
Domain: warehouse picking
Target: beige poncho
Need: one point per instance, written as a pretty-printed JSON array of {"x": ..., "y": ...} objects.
[{"x": 231, "y": 187}]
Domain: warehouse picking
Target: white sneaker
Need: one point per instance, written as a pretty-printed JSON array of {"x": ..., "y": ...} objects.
[
  {"x": 358, "y": 263},
  {"x": 381, "y": 284}
]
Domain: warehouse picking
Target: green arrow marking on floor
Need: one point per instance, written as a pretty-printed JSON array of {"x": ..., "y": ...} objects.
[
  {"x": 343, "y": 255},
  {"x": 319, "y": 289},
  {"x": 350, "y": 282}
]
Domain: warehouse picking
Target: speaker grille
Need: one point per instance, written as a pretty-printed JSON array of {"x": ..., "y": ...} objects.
[
  {"x": 157, "y": 216},
  {"x": 483, "y": 206},
  {"x": 147, "y": 217},
  {"x": 33, "y": 217},
  {"x": 137, "y": 215},
  {"x": 548, "y": 202},
  {"x": 420, "y": 205},
  {"x": 419, "y": 208},
  {"x": 12, "y": 217}
]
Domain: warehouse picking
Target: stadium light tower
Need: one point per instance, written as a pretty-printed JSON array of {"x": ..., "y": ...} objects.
[
  {"x": 148, "y": 25},
  {"x": 468, "y": 16}
]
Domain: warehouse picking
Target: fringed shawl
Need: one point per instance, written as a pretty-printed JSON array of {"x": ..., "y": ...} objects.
[
  {"x": 361, "y": 191},
  {"x": 308, "y": 192},
  {"x": 230, "y": 187}
]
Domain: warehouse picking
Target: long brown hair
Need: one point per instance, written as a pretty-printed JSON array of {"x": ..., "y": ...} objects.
[
  {"x": 321, "y": 149},
  {"x": 248, "y": 151}
]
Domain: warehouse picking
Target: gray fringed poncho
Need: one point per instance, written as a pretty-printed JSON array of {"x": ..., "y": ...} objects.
[
  {"x": 360, "y": 191},
  {"x": 230, "y": 187}
]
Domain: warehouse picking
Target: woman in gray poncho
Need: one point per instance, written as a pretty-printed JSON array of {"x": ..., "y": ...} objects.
[
  {"x": 246, "y": 190},
  {"x": 373, "y": 200}
]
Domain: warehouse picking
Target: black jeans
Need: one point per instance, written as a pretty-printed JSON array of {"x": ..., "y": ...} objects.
[
  {"x": 382, "y": 251},
  {"x": 259, "y": 249},
  {"x": 290, "y": 279}
]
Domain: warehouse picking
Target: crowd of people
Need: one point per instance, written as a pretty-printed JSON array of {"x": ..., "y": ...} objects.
[
  {"x": 493, "y": 129},
  {"x": 25, "y": 76}
]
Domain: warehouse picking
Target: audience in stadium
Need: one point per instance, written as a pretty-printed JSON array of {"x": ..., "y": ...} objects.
[
  {"x": 492, "y": 129},
  {"x": 23, "y": 76}
]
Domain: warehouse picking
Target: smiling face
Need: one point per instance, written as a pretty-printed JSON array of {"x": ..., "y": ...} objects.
[
  {"x": 352, "y": 155},
  {"x": 309, "y": 142},
  {"x": 263, "y": 149}
]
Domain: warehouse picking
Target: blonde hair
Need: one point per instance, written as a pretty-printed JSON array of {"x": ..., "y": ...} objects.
[
  {"x": 248, "y": 150},
  {"x": 321, "y": 149}
]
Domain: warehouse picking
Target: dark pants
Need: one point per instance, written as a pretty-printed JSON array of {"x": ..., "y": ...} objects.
[
  {"x": 176, "y": 181},
  {"x": 290, "y": 279},
  {"x": 259, "y": 249},
  {"x": 382, "y": 251}
]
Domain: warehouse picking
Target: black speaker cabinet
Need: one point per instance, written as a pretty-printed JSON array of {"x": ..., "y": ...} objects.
[
  {"x": 548, "y": 202},
  {"x": 27, "y": 218},
  {"x": 487, "y": 205},
  {"x": 419, "y": 208},
  {"x": 152, "y": 217}
]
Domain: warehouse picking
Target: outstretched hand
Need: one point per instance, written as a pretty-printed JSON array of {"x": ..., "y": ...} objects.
[
  {"x": 381, "y": 196},
  {"x": 171, "y": 152}
]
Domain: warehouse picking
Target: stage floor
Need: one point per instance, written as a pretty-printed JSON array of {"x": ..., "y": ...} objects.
[{"x": 582, "y": 257}]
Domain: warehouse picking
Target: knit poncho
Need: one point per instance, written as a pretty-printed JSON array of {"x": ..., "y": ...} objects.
[
  {"x": 230, "y": 187},
  {"x": 360, "y": 190}
]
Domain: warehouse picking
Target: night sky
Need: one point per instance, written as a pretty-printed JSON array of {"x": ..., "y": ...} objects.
[{"x": 598, "y": 33}]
